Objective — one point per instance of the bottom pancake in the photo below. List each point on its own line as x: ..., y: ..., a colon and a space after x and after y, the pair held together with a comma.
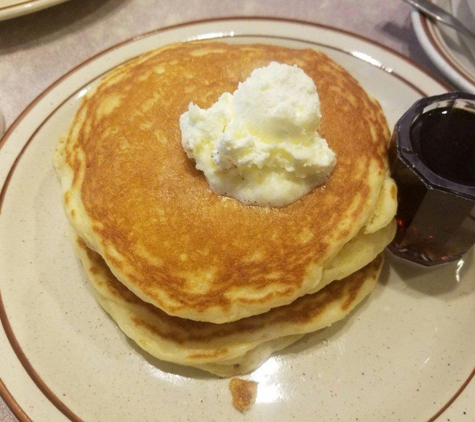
x: 223, y: 349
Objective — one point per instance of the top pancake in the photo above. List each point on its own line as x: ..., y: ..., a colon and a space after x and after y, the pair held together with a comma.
x: 134, y: 196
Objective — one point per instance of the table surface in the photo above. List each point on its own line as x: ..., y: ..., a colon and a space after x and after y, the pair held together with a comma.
x: 36, y: 49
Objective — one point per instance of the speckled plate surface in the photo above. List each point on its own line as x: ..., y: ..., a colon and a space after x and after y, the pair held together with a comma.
x: 405, y: 354
x: 451, y: 52
x: 13, y: 8
x: 2, y: 124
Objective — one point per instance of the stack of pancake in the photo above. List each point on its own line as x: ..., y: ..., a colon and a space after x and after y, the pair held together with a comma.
x: 200, y: 279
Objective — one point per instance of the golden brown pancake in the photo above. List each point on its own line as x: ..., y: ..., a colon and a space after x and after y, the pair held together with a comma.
x: 244, y: 393
x: 134, y: 196
x: 224, y: 349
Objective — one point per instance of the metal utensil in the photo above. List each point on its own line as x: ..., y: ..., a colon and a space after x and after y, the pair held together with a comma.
x: 432, y: 10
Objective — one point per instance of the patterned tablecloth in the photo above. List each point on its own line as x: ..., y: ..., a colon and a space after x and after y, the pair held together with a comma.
x: 38, y: 48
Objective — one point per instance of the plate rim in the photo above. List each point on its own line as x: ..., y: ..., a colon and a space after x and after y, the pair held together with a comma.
x: 152, y: 32
x: 25, y: 7
x: 431, y: 40
x: 8, y: 398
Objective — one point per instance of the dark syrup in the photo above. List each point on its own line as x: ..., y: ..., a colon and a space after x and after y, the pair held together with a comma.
x: 444, y: 139
x: 434, y: 227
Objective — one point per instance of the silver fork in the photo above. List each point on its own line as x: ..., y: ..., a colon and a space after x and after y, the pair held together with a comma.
x: 432, y: 10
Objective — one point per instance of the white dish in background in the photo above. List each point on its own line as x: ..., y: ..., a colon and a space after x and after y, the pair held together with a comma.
x: 405, y: 354
x: 464, y: 10
x: 13, y: 8
x: 451, y: 52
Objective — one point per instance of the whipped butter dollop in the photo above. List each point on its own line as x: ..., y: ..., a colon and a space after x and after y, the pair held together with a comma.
x: 261, y: 144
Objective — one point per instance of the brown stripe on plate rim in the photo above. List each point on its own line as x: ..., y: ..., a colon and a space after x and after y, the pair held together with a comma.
x: 454, y: 397
x: 22, y: 3
x: 33, y: 374
x: 435, y: 38
x: 9, y: 399
x: 12, y: 404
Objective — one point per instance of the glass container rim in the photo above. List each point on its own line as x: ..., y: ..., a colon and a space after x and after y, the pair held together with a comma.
x: 405, y: 150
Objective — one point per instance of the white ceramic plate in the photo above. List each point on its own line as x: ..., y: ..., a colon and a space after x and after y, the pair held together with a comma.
x: 452, y: 53
x: 13, y: 8
x: 2, y: 124
x: 405, y: 354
